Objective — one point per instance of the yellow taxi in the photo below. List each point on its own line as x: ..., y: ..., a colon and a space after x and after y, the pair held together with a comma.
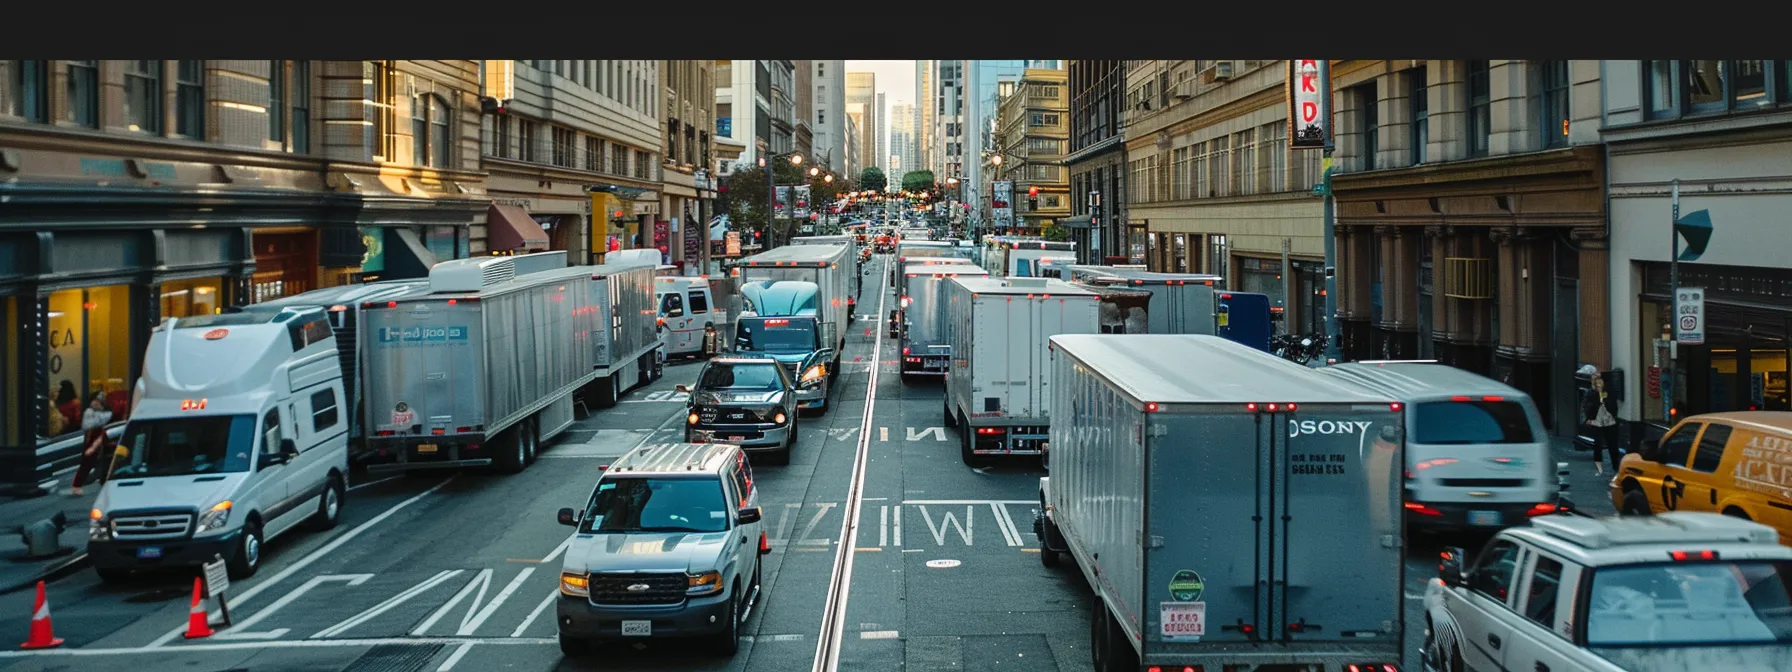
x: 1737, y: 464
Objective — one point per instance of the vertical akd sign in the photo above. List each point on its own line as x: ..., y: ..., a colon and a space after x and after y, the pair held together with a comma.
x: 1309, y: 106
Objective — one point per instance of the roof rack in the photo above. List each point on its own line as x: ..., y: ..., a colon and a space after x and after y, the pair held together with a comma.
x: 1670, y: 527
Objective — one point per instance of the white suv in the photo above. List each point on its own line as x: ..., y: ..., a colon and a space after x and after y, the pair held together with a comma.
x: 1677, y: 591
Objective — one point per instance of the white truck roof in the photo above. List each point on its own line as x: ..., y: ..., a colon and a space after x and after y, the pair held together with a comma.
x: 230, y: 356
x: 1416, y: 382
x: 1630, y: 539
x: 1202, y: 369
x: 1020, y: 286
x: 797, y: 254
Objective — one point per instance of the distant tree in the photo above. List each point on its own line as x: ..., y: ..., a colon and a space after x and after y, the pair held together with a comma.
x: 872, y: 179
x: 1054, y: 231
x: 917, y: 180
x: 747, y: 195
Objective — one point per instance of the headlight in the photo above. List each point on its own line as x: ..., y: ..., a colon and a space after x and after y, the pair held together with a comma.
x: 779, y: 418
x: 214, y: 519
x: 815, y: 372
x: 692, y: 418
x: 97, y: 527
x: 576, y: 585
x: 705, y: 583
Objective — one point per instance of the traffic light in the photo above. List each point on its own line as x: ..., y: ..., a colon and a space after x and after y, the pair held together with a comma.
x: 1033, y: 191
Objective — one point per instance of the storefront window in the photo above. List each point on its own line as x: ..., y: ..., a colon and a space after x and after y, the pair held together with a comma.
x: 89, y: 355
x: 188, y: 298
x: 1261, y: 276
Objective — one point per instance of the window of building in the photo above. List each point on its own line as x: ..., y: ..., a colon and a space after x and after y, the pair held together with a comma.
x: 29, y: 91
x: 1219, y: 161
x: 564, y: 140
x: 643, y: 165
x: 821, y: 117
x: 594, y: 154
x: 276, y: 102
x: 143, y: 96
x: 429, y: 131
x: 1554, y: 103
x: 1421, y: 113
x: 419, y: 131
x: 1705, y: 85
x: 90, y: 355
x: 84, y: 93
x: 300, y: 115
x: 1480, y: 107
x: 1658, y: 87
x: 525, y: 140
x: 501, y: 136
x: 189, y: 98
x: 1270, y: 148
x: 821, y: 68
x: 1243, y: 162
x: 191, y: 298
x: 618, y: 159
x: 1201, y: 178
x: 1180, y: 173
x: 1368, y: 123
x: 1748, y: 82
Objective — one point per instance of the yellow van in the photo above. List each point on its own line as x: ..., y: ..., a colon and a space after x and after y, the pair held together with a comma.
x: 1738, y: 464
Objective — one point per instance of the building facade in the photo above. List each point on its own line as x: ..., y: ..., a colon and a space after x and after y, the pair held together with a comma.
x: 804, y: 116
x: 744, y: 106
x: 986, y: 83
x: 1471, y: 219
x: 1033, y: 136
x: 925, y: 84
x: 141, y: 190
x: 947, y: 125
x: 854, y: 163
x: 829, y: 122
x: 1212, y: 187
x: 783, y: 105
x: 688, y: 171
x: 1097, y: 159
x: 882, y: 133
x: 861, y: 100
x: 567, y: 129
x: 902, y: 140
x: 1723, y: 130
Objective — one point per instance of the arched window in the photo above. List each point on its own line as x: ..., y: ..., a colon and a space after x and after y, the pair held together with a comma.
x: 429, y: 131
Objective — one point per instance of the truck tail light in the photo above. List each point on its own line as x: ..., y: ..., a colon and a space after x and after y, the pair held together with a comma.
x: 1683, y: 556
x: 463, y: 430
x: 905, y: 351
x: 1423, y: 510
x: 1542, y: 508
x: 1151, y: 407
x: 986, y: 431
x: 384, y: 432
x: 1272, y: 408
x: 1395, y: 406
x: 1460, y: 398
x: 439, y: 431
x: 1291, y: 407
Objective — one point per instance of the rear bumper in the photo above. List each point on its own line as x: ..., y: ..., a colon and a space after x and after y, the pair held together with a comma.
x: 174, y: 552
x: 751, y: 437
x: 1008, y: 439
x: 696, y: 617
x: 925, y: 365
x: 436, y: 452
x: 1467, y: 515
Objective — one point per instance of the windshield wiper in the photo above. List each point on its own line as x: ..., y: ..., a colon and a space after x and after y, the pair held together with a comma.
x: 673, y: 528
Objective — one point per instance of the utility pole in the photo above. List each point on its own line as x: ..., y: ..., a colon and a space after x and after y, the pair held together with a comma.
x: 1287, y: 284
x: 1331, y: 229
x: 1673, y: 300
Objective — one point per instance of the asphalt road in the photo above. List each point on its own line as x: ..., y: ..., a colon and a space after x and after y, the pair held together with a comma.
x: 457, y: 571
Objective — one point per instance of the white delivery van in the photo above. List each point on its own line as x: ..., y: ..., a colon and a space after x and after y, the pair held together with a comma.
x: 241, y: 434
x: 687, y: 313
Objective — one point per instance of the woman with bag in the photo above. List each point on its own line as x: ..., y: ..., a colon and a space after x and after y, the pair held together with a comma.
x: 94, y: 451
x: 1599, y: 409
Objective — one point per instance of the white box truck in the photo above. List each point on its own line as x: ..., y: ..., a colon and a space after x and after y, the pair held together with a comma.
x: 1023, y: 258
x: 483, y: 368
x: 1232, y: 511
x: 830, y: 267
x: 925, y: 341
x: 999, y: 387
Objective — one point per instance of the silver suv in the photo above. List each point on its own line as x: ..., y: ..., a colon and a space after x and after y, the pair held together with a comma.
x: 669, y: 546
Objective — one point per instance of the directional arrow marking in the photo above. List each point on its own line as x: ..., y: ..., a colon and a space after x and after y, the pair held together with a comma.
x: 241, y: 630
x: 390, y: 604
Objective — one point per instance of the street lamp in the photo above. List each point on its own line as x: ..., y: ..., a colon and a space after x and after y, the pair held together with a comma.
x: 771, y: 190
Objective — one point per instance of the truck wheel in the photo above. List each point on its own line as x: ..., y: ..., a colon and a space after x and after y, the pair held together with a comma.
x: 1098, y: 634
x: 728, y: 642
x: 247, y: 558
x: 1047, y: 556
x: 951, y: 420
x: 602, y: 392
x: 514, y: 455
x: 329, y: 506
x: 532, y: 432
x: 1120, y: 656
x: 964, y: 445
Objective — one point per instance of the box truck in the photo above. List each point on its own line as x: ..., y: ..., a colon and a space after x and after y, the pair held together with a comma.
x: 1235, y: 511
x: 853, y: 261
x: 484, y: 367
x: 1191, y: 303
x: 998, y: 387
x: 830, y: 267
x: 923, y: 337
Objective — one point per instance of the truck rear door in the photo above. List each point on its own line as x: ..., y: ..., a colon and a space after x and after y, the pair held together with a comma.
x: 426, y: 367
x: 1209, y: 504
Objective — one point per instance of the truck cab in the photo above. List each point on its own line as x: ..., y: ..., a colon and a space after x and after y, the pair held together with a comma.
x: 240, y: 435
x: 687, y: 313
x: 780, y: 321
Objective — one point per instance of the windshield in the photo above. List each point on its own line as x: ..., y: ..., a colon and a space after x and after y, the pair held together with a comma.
x: 1461, y: 422
x: 1742, y: 602
x: 756, y: 377
x: 178, y: 447
x: 775, y: 334
x: 657, y: 505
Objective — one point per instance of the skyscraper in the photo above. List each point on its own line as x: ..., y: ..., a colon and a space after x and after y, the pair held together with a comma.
x: 882, y: 132
x: 923, y: 121
x: 861, y: 90
x: 902, y: 141
x: 829, y: 123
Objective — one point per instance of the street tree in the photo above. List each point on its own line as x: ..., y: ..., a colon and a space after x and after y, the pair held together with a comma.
x: 872, y: 179
x: 917, y: 180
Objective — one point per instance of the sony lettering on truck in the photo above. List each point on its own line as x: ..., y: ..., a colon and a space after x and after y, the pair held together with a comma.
x: 999, y: 384
x: 1232, y: 509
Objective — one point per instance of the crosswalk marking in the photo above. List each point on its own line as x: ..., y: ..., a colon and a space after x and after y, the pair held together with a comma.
x: 390, y: 604
x: 241, y: 630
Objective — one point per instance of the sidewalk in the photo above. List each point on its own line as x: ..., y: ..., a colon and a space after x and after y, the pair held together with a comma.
x: 18, y: 573
x: 1590, y: 493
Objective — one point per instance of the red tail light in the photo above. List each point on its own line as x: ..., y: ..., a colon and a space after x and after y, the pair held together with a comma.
x: 1460, y: 398
x: 1395, y: 407
x: 391, y: 304
x: 439, y: 431
x: 989, y: 430
x: 1291, y: 407
x: 1422, y: 510
x: 384, y: 432
x: 1272, y: 408
x: 905, y: 351
x: 1493, y: 399
x: 1683, y: 556
x: 1151, y: 407
x: 463, y: 430
x: 1252, y: 407
x: 1543, y: 508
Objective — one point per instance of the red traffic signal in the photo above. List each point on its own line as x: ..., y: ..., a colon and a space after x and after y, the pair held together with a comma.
x: 1033, y: 191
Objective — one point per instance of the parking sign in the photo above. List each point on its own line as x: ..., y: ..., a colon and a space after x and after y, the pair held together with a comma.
x: 1689, y: 315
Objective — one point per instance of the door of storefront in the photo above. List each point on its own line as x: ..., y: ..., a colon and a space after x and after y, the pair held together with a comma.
x: 285, y: 264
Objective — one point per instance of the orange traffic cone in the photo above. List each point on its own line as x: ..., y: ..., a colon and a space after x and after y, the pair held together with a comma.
x: 42, y: 635
x: 197, y: 623
x: 765, y: 544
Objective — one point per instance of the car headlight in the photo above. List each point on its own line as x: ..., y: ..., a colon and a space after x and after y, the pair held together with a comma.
x: 98, y: 529
x: 692, y: 418
x: 576, y: 585
x: 815, y: 372
x: 779, y: 418
x: 705, y: 584
x: 215, y: 518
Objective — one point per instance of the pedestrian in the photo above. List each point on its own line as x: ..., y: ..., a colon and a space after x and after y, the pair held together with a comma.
x: 1600, y: 410
x: 93, y: 447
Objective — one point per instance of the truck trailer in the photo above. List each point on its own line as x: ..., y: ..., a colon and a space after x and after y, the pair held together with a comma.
x: 1192, y: 303
x: 998, y: 387
x: 1234, y: 512
x: 484, y: 367
x: 923, y: 337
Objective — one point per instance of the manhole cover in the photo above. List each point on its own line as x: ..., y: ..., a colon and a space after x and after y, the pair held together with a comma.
x: 942, y: 564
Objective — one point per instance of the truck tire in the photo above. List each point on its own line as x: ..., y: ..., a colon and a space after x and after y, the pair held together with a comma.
x: 532, y: 433
x: 1119, y: 654
x: 951, y: 420
x: 329, y: 505
x: 512, y: 452
x: 602, y: 392
x: 965, y: 440
x: 1098, y: 634
x: 247, y: 558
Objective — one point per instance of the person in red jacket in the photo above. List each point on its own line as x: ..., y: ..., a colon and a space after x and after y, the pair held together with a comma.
x: 94, y: 449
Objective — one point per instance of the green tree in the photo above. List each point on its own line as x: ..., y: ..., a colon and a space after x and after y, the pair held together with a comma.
x: 917, y: 180
x: 872, y: 179
x: 747, y: 194
x: 1054, y: 231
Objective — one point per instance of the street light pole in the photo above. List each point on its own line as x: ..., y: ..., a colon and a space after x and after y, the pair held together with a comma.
x: 771, y: 191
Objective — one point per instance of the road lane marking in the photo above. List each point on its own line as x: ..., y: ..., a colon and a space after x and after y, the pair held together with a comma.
x: 1003, y: 522
x: 353, y: 488
x: 1029, y: 550
x: 280, y: 644
x: 306, y: 561
x: 896, y: 518
x: 241, y: 630
x: 879, y: 634
x: 883, y: 526
x: 806, y: 539
x: 536, y: 613
x: 477, y: 613
x: 970, y: 502
x: 455, y: 658
x: 939, y: 433
x: 947, y: 523
x: 874, y: 499
x: 559, y: 549
x: 390, y: 604
x: 883, y: 433
x: 867, y: 549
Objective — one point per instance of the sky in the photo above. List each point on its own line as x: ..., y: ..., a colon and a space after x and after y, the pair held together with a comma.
x: 895, y: 79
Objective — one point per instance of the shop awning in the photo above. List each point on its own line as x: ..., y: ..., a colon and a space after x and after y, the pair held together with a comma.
x: 509, y: 228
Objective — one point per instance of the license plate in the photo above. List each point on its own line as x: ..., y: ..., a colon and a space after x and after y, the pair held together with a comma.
x: 149, y: 552
x: 1483, y: 518
x: 637, y: 628
x: 426, y: 448
x: 737, y: 438
x: 937, y: 364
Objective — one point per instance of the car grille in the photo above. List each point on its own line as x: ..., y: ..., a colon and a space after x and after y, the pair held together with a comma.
x: 1484, y: 482
x: 152, y: 526
x: 659, y: 588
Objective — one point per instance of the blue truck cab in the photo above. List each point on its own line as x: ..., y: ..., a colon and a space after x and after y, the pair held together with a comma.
x: 780, y: 319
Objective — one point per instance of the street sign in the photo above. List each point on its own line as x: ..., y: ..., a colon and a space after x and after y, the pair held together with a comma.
x: 1319, y: 189
x: 1689, y: 316
x: 217, y: 580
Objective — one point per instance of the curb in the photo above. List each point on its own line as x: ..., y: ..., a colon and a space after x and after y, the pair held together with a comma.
x: 56, y: 571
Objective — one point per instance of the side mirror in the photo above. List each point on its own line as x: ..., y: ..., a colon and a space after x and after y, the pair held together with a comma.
x: 683, y: 389
x: 288, y: 449
x: 1449, y: 567
x: 569, y: 518
x: 747, y: 515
